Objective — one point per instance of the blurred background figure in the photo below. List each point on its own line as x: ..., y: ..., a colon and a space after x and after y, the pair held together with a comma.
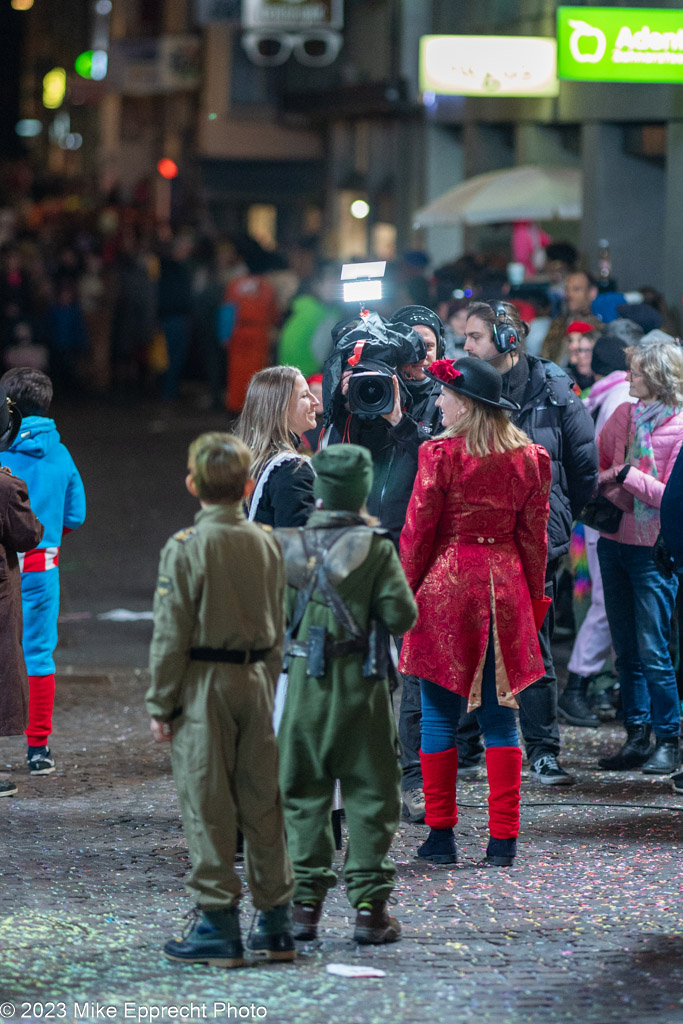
x: 256, y: 314
x: 305, y: 338
x: 175, y: 306
x: 582, y: 338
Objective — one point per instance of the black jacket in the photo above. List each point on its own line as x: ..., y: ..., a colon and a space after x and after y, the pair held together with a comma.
x: 554, y: 416
x: 394, y: 461
x: 672, y: 520
x: 287, y: 498
x: 424, y: 410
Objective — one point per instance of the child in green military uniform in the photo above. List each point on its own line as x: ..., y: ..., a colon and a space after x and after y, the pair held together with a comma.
x: 346, y: 593
x: 215, y: 656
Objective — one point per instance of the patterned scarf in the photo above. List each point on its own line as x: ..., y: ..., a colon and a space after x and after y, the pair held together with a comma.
x: 646, y: 419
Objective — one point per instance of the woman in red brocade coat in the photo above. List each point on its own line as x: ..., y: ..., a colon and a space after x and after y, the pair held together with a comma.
x: 474, y: 550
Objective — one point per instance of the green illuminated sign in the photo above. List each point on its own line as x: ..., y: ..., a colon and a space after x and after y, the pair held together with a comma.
x: 620, y: 44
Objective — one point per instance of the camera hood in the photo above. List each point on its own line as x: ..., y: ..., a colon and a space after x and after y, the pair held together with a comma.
x: 369, y: 339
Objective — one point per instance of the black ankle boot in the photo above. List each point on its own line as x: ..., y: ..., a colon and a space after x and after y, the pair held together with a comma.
x: 500, y: 852
x: 634, y: 753
x: 272, y: 936
x: 666, y: 757
x: 213, y: 938
x: 439, y: 847
x: 572, y: 707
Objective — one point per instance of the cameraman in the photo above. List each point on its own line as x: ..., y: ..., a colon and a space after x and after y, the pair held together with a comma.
x: 421, y: 388
x: 389, y: 350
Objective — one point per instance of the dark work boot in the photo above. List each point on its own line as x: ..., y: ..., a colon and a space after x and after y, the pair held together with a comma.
x: 213, y: 939
x: 634, y: 752
x: 572, y: 707
x: 374, y: 927
x: 439, y: 847
x: 666, y: 757
x: 272, y: 936
x: 306, y: 917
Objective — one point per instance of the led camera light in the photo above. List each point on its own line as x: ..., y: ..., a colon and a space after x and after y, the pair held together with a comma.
x: 362, y: 282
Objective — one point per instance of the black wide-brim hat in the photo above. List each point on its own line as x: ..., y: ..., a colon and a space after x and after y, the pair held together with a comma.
x: 10, y: 421
x: 474, y: 378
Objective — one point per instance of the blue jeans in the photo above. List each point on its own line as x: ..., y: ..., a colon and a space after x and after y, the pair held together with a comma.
x: 537, y: 703
x: 441, y: 710
x: 639, y: 604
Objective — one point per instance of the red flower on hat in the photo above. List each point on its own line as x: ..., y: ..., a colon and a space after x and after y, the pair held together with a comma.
x: 444, y: 370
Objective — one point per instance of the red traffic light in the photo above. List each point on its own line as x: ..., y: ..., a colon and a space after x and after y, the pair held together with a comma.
x: 167, y: 168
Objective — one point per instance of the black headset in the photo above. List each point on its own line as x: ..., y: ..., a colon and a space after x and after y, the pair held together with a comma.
x: 505, y: 335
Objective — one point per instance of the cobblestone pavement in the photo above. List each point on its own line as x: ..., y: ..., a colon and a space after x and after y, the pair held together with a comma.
x: 586, y: 927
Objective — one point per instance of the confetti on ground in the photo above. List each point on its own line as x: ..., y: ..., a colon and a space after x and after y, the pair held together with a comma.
x: 585, y: 928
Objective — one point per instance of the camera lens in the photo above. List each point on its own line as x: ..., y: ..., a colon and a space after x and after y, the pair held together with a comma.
x: 371, y: 393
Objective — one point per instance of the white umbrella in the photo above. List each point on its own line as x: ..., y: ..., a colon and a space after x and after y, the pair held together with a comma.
x: 517, y: 193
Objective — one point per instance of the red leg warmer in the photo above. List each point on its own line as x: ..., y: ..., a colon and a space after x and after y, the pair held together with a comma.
x: 504, y: 768
x: 41, y: 699
x: 439, y: 775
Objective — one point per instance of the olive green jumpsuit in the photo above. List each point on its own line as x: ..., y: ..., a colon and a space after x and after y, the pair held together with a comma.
x: 341, y: 726
x: 221, y: 585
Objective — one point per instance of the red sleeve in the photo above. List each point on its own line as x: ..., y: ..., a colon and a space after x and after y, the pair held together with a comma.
x: 531, y: 530
x: 424, y: 510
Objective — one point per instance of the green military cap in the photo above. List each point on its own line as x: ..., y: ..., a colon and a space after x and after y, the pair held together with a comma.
x: 343, y: 476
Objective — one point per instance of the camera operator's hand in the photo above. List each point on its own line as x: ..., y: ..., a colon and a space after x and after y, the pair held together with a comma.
x: 345, y: 378
x: 394, y: 417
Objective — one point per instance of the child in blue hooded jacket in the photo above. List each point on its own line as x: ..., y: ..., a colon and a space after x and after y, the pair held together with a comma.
x: 58, y: 499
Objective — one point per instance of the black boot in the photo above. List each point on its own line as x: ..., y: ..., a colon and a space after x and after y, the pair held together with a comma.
x: 500, y: 852
x: 572, y: 707
x: 634, y: 752
x: 439, y: 847
x: 272, y: 936
x: 213, y: 939
x: 666, y: 757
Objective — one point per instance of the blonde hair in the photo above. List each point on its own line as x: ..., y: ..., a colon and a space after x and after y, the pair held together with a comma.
x: 219, y: 465
x: 486, y: 429
x: 263, y: 422
x: 661, y: 364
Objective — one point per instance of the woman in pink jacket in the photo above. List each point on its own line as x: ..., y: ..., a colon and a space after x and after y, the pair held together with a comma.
x: 638, y: 448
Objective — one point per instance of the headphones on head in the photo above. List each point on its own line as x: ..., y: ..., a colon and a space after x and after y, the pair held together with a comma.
x: 505, y: 335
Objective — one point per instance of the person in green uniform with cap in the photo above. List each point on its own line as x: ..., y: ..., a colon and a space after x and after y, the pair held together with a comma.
x: 215, y: 656
x: 346, y: 594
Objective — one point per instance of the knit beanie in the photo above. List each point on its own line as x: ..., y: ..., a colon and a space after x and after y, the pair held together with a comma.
x: 608, y: 355
x: 343, y: 476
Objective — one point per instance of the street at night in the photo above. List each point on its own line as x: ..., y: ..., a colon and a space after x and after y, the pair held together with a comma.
x: 587, y: 925
x: 341, y: 511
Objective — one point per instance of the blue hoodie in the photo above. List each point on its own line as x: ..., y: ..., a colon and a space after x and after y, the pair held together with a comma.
x: 55, y: 488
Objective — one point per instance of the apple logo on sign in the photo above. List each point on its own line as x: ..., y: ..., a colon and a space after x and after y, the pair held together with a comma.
x: 582, y: 30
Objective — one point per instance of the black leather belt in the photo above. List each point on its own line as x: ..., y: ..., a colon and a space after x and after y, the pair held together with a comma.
x: 231, y: 657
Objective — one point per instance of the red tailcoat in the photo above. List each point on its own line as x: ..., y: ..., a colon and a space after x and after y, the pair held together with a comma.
x: 474, y: 550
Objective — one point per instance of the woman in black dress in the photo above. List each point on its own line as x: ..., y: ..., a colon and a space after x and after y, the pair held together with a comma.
x: 278, y: 408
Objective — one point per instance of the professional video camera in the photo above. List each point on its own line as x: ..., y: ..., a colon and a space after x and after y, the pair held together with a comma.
x: 370, y: 346
x: 373, y: 349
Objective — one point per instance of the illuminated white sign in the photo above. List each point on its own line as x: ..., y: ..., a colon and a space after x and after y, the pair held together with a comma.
x: 488, y: 66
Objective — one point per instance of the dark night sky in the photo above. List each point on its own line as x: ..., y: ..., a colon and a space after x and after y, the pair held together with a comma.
x: 11, y: 32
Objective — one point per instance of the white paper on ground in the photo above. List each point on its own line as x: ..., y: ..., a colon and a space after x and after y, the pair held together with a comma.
x: 355, y: 971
